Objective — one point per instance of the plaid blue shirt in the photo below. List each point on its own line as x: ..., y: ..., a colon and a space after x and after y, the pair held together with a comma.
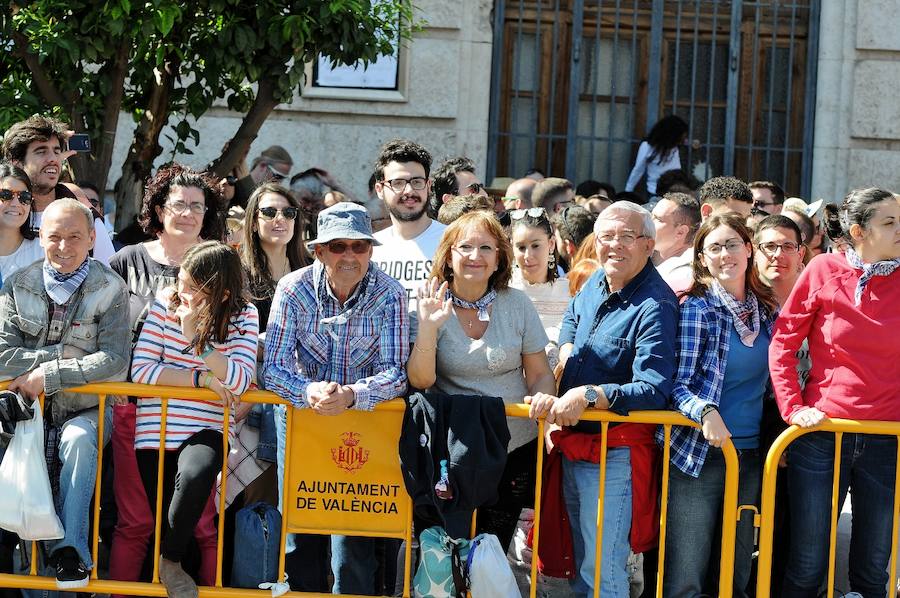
x: 704, y: 327
x: 363, y: 344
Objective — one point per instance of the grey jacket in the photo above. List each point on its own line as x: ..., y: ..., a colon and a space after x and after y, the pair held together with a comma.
x: 96, y: 327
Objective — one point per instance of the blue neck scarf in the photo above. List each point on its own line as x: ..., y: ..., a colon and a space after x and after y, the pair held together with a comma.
x: 60, y: 287
x: 481, y: 305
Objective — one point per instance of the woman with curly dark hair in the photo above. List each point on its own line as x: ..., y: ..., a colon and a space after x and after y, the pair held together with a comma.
x: 658, y: 152
x: 180, y: 209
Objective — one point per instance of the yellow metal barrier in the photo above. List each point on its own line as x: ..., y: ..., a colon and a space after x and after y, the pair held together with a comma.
x: 667, y: 419
x: 770, y: 473
x: 731, y: 512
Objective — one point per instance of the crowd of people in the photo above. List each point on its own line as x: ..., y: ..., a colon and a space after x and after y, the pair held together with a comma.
x: 742, y: 310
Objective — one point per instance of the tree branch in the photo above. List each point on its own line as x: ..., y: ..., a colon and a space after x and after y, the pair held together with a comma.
x: 262, y: 107
x: 42, y: 81
x: 112, y: 106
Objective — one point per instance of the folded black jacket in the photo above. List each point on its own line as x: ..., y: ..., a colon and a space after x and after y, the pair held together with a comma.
x: 470, y: 432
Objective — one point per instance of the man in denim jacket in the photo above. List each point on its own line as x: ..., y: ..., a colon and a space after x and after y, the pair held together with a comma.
x: 64, y: 323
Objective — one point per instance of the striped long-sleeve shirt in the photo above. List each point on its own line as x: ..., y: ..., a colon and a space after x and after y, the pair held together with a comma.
x: 161, y: 345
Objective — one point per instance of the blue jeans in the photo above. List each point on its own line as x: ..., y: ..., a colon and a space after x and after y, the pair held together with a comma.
x: 868, y: 467
x: 694, y: 525
x: 581, y: 486
x: 78, y: 455
x: 353, y: 565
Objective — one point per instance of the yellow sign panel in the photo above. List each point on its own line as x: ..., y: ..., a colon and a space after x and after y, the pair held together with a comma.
x: 345, y: 474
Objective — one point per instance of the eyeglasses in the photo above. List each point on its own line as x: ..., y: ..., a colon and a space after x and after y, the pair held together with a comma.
x: 275, y: 174
x: 627, y: 240
x: 179, y: 207
x: 399, y: 185
x: 787, y: 248
x: 269, y: 213
x: 25, y: 198
x: 467, y: 250
x: 340, y: 247
x: 230, y: 180
x: 732, y: 246
x: 532, y: 212
x: 763, y: 204
x: 474, y: 188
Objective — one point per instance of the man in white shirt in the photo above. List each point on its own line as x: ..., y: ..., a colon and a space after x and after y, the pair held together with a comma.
x: 38, y: 145
x: 677, y: 217
x: 407, y: 247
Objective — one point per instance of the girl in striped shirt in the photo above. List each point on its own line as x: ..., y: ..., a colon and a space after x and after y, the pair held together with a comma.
x: 201, y: 334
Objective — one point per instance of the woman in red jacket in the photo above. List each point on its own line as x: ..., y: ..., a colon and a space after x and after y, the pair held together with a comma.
x: 846, y: 305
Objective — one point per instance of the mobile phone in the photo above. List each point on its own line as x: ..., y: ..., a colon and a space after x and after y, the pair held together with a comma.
x: 80, y: 142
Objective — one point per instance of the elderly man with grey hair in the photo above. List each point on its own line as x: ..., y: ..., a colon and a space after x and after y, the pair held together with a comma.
x: 617, y: 342
x: 338, y: 339
x: 64, y: 323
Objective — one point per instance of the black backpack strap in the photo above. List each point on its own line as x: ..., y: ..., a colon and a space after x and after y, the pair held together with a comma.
x: 459, y: 574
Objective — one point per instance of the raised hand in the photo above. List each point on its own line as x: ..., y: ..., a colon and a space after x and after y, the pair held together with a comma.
x: 433, y: 306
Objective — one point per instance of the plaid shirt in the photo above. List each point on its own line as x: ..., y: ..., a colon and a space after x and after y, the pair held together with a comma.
x: 311, y: 337
x: 51, y: 433
x: 703, y: 337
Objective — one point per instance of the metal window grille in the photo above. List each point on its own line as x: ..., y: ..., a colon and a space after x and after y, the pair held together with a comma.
x: 576, y: 85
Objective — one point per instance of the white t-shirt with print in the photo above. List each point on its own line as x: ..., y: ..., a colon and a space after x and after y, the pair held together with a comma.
x: 408, y: 260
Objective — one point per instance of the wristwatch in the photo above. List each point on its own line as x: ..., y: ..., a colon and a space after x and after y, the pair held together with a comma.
x: 707, y: 410
x: 591, y: 395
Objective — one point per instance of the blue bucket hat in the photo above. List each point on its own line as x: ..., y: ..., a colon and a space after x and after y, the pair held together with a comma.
x: 344, y: 220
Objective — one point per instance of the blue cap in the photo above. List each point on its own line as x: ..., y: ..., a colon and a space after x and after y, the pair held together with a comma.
x: 344, y: 220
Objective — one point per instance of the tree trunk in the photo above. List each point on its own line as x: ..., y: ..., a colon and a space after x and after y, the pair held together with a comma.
x: 144, y: 148
x: 98, y: 171
x: 262, y: 107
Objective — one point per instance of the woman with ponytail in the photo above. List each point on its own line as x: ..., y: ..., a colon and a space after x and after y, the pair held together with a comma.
x: 846, y: 305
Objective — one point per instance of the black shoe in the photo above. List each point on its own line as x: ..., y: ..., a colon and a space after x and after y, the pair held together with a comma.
x: 70, y: 571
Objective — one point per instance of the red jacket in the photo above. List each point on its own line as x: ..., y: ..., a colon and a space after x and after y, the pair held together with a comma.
x: 854, y: 349
x: 555, y: 550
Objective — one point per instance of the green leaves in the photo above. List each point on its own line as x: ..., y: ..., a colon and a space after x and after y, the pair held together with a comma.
x: 214, y: 49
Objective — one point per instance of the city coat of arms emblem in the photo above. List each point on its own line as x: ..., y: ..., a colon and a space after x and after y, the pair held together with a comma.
x: 349, y: 456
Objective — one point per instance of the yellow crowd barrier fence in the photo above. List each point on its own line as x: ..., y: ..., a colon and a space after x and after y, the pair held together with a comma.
x: 770, y: 474
x: 391, y: 514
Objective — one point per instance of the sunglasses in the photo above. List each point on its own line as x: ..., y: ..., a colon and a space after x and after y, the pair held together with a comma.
x: 231, y: 179
x: 340, y: 247
x: 25, y: 198
x: 275, y: 174
x: 532, y: 212
x: 269, y: 213
x: 474, y: 188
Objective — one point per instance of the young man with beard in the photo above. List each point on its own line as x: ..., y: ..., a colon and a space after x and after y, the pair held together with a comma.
x: 37, y: 146
x: 407, y: 247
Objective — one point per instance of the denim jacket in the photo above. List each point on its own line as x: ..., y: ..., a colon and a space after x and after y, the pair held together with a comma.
x: 96, y: 324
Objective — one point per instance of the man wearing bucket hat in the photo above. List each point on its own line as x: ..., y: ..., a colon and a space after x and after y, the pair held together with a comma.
x: 338, y: 339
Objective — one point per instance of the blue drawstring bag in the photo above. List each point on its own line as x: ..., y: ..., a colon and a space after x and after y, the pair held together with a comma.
x: 257, y: 531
